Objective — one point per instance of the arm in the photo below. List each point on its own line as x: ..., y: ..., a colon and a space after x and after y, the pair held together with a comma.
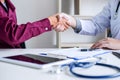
x: 98, y: 24
x: 108, y: 43
x: 94, y: 26
x: 12, y: 33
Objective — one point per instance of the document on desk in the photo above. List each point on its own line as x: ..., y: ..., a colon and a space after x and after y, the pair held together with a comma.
x: 78, y: 54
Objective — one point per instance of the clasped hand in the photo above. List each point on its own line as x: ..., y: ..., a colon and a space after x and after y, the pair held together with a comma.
x: 61, y: 22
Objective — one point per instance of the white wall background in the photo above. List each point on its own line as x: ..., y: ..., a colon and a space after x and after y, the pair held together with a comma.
x: 32, y: 10
x: 91, y: 7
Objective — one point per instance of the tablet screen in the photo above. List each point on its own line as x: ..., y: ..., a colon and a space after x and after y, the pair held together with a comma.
x: 32, y: 58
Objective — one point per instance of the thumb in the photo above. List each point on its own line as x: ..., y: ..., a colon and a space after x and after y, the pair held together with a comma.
x: 70, y: 20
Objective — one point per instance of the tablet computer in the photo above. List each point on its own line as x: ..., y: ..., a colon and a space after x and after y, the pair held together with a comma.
x: 34, y: 60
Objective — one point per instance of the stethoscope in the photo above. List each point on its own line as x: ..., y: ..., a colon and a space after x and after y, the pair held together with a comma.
x: 88, y: 64
x: 81, y: 65
x: 85, y: 65
x: 116, y: 11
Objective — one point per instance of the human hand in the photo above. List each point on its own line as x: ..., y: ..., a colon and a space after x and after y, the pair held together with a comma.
x: 65, y: 21
x: 108, y: 43
x: 70, y: 20
x: 62, y: 21
x: 58, y: 24
x: 53, y: 20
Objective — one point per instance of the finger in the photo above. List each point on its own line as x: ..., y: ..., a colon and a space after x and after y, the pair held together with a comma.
x: 65, y: 16
x: 62, y: 26
x: 59, y: 28
x: 58, y: 17
x: 94, y: 46
x: 104, y: 46
x: 98, y: 44
x: 65, y: 26
x: 64, y: 22
x: 54, y: 26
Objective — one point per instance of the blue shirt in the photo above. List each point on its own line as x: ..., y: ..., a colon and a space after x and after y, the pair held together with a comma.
x: 105, y: 19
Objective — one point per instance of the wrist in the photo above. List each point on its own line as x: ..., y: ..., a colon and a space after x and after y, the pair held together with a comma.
x: 72, y: 22
x: 53, y: 20
x: 78, y: 27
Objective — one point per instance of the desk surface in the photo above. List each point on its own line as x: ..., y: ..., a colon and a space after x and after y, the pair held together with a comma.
x: 16, y: 72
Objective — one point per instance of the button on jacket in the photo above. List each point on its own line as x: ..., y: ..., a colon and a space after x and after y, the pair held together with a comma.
x: 105, y: 19
x: 12, y: 34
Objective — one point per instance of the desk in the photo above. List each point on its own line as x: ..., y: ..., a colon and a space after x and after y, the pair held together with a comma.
x: 16, y: 72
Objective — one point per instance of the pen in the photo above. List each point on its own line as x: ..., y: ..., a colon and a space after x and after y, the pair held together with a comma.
x: 54, y: 55
x: 88, y: 49
x: 43, y: 54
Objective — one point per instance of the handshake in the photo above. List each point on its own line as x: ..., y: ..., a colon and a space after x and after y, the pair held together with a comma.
x: 61, y: 22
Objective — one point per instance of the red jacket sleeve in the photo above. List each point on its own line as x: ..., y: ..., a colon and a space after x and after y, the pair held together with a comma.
x: 13, y: 33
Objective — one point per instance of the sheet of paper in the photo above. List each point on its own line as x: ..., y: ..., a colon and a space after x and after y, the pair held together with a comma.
x: 77, y: 53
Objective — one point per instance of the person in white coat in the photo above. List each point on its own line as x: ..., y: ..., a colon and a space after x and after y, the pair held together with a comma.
x: 108, y: 18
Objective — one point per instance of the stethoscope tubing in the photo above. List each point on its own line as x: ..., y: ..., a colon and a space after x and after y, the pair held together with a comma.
x: 102, y: 76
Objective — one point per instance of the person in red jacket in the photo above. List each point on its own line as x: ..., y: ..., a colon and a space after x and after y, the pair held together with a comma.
x: 13, y: 35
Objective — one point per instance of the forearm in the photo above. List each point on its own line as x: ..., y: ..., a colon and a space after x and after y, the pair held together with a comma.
x: 13, y: 33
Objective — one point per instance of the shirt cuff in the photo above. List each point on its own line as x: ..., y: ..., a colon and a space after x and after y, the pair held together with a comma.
x: 78, y: 26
